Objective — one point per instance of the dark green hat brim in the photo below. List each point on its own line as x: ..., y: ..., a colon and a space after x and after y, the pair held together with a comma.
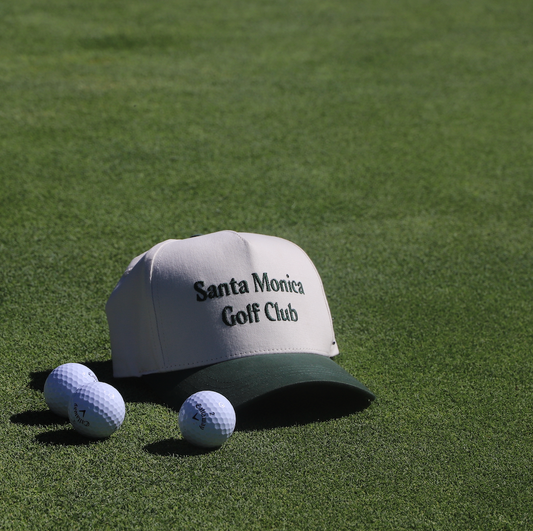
x: 245, y: 380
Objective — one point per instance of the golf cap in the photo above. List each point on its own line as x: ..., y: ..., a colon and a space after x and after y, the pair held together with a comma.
x: 238, y: 313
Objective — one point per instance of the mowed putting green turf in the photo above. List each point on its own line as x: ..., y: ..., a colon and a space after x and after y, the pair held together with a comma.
x: 391, y: 139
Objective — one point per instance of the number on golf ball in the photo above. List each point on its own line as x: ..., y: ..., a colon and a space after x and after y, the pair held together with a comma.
x: 96, y: 410
x: 207, y: 419
x: 62, y: 382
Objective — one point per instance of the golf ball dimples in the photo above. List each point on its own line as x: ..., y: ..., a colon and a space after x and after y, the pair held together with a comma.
x: 62, y: 382
x: 96, y: 410
x: 207, y: 419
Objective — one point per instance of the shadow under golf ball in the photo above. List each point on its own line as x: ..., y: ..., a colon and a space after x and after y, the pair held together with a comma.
x: 38, y: 418
x: 65, y: 437
x: 174, y: 447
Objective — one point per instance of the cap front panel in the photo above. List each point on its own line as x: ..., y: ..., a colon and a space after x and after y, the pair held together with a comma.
x: 228, y: 295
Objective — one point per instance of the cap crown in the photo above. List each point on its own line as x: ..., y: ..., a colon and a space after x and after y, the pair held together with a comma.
x: 208, y: 299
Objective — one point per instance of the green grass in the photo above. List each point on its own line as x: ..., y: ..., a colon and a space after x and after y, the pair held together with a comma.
x: 391, y: 139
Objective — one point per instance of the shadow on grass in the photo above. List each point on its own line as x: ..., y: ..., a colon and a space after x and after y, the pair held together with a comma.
x: 173, y: 447
x: 38, y: 418
x: 60, y: 437
x: 65, y: 437
x: 300, y: 405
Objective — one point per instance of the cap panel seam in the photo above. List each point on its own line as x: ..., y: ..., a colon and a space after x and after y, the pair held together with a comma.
x: 157, y: 333
x: 333, y: 339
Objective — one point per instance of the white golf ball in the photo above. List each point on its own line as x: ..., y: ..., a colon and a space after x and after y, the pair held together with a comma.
x: 207, y: 419
x: 96, y: 410
x: 62, y: 382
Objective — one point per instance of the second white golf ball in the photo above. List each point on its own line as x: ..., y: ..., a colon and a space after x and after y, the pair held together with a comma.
x: 96, y: 410
x: 207, y: 419
x: 62, y: 382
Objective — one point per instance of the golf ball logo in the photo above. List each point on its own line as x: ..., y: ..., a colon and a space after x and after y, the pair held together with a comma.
x: 202, y: 416
x: 77, y: 416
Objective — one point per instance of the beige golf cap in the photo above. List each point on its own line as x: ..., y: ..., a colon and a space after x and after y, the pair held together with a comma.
x: 238, y: 313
